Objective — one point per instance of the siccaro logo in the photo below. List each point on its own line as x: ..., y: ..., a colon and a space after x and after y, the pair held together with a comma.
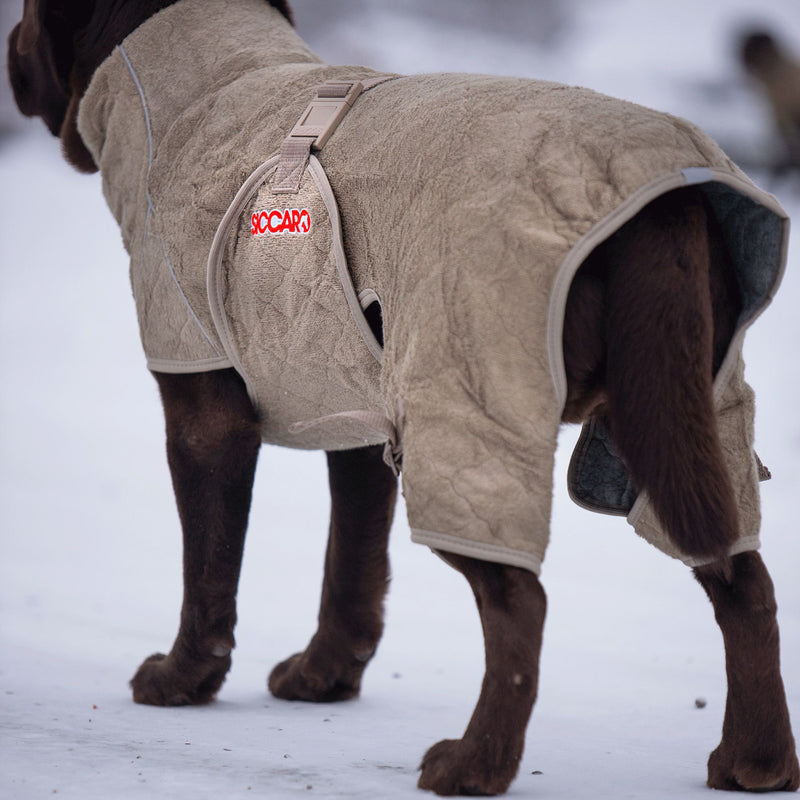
x: 280, y: 220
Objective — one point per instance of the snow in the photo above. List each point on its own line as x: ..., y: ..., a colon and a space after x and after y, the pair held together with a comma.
x: 90, y: 546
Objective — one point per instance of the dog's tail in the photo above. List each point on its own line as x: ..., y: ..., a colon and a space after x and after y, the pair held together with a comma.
x: 670, y: 316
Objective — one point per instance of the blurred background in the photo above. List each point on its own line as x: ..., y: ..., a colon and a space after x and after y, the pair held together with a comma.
x: 682, y: 56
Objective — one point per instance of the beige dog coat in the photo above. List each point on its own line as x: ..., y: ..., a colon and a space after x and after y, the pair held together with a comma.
x: 464, y: 204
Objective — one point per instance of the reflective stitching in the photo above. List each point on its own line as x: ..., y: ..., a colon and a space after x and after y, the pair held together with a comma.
x: 151, y: 208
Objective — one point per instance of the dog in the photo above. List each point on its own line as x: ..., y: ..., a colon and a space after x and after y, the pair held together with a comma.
x: 647, y: 333
x: 778, y: 76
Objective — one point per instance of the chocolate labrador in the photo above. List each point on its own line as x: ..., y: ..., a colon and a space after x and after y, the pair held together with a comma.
x: 648, y: 322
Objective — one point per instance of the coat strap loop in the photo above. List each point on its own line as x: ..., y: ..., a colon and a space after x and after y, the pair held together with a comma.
x: 315, y: 126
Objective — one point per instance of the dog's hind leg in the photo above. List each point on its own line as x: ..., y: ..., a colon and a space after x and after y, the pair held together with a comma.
x: 213, y: 437
x: 512, y: 606
x: 757, y: 752
x: 363, y: 491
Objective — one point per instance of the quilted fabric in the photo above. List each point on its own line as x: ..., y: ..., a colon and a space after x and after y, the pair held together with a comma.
x: 285, y: 321
x: 467, y: 204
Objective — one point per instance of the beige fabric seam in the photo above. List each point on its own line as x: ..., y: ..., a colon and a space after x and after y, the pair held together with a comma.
x: 356, y: 311
x: 483, y: 552
x: 743, y: 545
x: 214, y: 277
x: 187, y: 367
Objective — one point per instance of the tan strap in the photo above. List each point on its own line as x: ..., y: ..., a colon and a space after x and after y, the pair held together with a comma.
x: 315, y: 126
x: 292, y: 163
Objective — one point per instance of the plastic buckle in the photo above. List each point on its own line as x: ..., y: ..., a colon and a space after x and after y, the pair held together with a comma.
x: 324, y: 113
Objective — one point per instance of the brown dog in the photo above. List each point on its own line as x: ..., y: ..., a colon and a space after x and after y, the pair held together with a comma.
x: 648, y: 321
x: 779, y: 77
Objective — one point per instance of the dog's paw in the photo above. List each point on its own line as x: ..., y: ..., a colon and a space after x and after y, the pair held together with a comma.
x: 158, y: 682
x: 770, y: 774
x: 455, y: 766
x: 316, y: 679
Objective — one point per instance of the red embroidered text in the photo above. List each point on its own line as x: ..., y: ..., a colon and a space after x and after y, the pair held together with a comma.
x: 280, y: 220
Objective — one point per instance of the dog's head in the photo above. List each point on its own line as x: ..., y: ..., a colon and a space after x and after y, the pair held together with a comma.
x: 54, y: 51
x: 760, y: 52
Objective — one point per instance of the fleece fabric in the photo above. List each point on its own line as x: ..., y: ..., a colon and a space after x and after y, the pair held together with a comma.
x: 465, y: 204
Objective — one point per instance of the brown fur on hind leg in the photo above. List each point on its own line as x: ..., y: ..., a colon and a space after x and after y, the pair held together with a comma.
x: 363, y: 491
x: 213, y: 437
x: 757, y: 751
x: 512, y: 606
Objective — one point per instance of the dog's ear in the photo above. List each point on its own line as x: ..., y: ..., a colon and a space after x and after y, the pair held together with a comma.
x: 39, y: 89
x: 41, y: 68
x: 30, y: 27
x: 283, y: 7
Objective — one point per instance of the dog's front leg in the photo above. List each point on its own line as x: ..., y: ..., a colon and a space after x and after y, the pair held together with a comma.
x: 363, y: 491
x: 512, y: 608
x: 757, y: 752
x: 213, y: 438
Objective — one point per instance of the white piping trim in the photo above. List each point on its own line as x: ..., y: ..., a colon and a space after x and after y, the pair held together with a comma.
x: 145, y: 109
x: 214, y: 277
x: 356, y: 311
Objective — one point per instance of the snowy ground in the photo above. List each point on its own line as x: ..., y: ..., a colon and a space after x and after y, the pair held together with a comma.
x: 89, y: 543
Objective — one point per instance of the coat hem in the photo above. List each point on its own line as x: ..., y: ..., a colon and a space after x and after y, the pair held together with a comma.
x: 744, y: 545
x: 174, y: 367
x: 483, y: 552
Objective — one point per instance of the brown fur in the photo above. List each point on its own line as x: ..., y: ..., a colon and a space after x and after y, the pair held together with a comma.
x: 363, y: 491
x: 657, y: 293
x: 213, y: 438
x: 757, y: 751
x: 512, y: 606
x: 660, y: 312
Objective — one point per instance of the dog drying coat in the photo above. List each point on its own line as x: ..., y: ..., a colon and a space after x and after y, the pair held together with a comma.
x: 465, y: 204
